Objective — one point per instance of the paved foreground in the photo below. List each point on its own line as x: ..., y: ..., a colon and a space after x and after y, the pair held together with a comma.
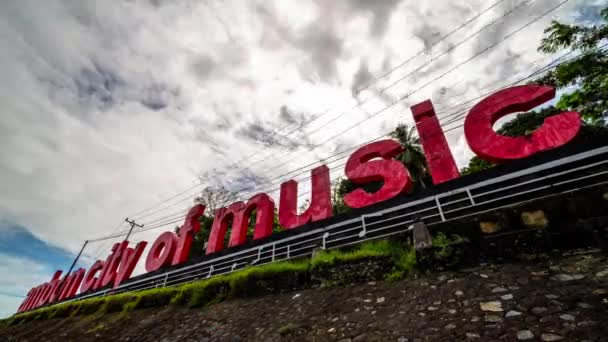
x: 563, y: 299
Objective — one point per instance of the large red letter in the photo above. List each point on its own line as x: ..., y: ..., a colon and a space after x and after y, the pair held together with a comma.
x: 90, y: 278
x: 27, y: 297
x: 186, y: 233
x: 320, y: 202
x: 110, y: 267
x: 361, y: 169
x: 161, y: 252
x: 263, y: 223
x: 436, y: 150
x: 220, y: 226
x: 28, y: 300
x: 50, y: 289
x: 71, y: 283
x: 555, y: 131
x: 240, y: 214
x: 128, y: 261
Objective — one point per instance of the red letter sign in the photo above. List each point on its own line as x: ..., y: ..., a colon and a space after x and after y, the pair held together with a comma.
x: 555, y: 131
x: 161, y: 252
x: 186, y: 233
x: 240, y: 213
x: 128, y: 261
x: 320, y: 203
x: 71, y: 283
x: 361, y: 169
x: 90, y: 278
x: 438, y: 156
x: 108, y: 273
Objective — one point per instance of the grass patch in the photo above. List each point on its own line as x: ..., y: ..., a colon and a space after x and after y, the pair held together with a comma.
x: 97, y: 328
x: 117, y: 302
x: 288, y: 329
x: 207, y: 292
x: 446, y: 252
x: 88, y: 306
x: 403, y: 257
x: 366, y: 250
x: 269, y: 278
x: 252, y: 281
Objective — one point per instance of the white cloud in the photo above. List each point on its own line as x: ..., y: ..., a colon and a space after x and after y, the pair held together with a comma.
x: 18, y: 276
x: 104, y: 114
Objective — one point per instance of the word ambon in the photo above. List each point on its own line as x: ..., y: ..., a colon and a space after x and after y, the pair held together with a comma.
x: 370, y: 163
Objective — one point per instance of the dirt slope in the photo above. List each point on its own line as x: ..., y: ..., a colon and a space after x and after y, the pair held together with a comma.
x: 561, y: 299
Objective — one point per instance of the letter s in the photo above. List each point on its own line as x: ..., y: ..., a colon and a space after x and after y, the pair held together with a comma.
x: 361, y: 169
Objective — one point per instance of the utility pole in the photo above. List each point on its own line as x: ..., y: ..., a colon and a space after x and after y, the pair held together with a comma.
x: 133, y: 224
x: 72, y: 267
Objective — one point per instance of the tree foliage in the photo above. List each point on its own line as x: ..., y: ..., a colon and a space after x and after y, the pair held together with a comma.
x: 587, y: 72
x: 412, y: 157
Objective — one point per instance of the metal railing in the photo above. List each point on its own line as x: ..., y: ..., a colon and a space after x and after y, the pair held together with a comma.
x: 572, y: 173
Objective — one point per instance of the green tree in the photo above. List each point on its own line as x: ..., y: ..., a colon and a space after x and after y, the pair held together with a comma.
x: 587, y: 72
x: 412, y: 157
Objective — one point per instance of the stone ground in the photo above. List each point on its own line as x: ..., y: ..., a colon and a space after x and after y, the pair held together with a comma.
x: 564, y: 299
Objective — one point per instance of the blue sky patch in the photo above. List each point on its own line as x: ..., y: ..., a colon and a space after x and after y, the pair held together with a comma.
x: 17, y: 241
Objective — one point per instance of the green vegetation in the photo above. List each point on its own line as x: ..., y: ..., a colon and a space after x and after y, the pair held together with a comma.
x: 252, y: 281
x: 446, y: 252
x: 586, y: 72
x: 288, y: 329
x: 402, y: 260
x: 97, y: 328
x: 367, y: 250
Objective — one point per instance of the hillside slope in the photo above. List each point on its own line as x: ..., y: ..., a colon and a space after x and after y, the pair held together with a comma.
x: 553, y: 299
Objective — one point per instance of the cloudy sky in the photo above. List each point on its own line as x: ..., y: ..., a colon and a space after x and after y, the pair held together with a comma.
x: 111, y: 107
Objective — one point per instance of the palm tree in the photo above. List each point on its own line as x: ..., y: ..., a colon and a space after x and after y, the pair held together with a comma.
x: 413, y: 156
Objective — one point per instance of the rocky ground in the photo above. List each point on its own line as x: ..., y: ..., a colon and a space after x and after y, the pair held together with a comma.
x: 563, y: 299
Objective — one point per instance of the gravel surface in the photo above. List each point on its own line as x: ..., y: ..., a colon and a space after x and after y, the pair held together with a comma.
x: 563, y: 299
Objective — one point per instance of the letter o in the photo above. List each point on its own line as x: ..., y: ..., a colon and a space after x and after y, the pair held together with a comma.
x: 161, y: 252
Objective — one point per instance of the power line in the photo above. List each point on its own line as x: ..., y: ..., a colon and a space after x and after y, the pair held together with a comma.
x: 447, y: 72
x: 161, y: 221
x: 431, y: 81
x: 367, y: 86
x: 326, y: 162
x: 417, y: 69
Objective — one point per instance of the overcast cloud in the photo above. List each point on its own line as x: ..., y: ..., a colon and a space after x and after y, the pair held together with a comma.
x: 109, y: 107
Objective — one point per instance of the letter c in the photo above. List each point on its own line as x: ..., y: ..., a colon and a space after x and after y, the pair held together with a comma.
x: 556, y: 131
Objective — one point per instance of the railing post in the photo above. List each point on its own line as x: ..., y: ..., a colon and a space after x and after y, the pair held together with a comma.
x: 470, y: 197
x: 439, y: 208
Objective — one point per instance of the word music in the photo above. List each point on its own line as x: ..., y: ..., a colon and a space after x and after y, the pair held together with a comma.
x: 371, y: 163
